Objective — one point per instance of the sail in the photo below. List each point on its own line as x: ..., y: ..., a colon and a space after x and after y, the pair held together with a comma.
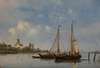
x: 56, y: 44
x: 73, y: 42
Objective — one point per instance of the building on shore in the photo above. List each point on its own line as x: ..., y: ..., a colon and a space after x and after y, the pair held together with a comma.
x: 18, y: 44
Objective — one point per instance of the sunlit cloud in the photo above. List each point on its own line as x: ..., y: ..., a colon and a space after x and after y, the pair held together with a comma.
x: 12, y: 31
x: 34, y: 31
x: 29, y: 30
x: 23, y: 26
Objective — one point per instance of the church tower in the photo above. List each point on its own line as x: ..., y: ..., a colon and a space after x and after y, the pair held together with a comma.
x: 18, y: 44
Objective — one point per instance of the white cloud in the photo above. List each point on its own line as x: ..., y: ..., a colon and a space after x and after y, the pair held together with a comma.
x: 29, y: 29
x: 12, y: 31
x: 33, y: 31
x: 22, y: 26
x: 36, y: 30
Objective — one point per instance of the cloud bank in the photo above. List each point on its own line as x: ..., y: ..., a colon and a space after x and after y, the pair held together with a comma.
x: 37, y: 20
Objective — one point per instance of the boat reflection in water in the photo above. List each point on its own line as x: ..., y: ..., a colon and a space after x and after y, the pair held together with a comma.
x: 74, y: 65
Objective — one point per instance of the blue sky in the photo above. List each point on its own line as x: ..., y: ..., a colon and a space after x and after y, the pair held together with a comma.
x: 36, y: 21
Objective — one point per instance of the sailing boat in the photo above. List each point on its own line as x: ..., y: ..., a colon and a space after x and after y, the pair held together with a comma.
x: 53, y: 51
x: 74, y: 53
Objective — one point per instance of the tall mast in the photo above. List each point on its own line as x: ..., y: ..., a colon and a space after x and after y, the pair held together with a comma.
x: 71, y: 42
x: 58, y: 39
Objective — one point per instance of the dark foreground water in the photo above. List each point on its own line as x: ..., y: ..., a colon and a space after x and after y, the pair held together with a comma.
x: 26, y: 61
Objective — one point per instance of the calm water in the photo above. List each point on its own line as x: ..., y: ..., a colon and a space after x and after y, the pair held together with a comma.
x: 26, y: 61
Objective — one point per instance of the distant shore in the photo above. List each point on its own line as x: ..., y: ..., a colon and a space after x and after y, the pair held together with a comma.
x: 9, y: 49
x: 18, y: 51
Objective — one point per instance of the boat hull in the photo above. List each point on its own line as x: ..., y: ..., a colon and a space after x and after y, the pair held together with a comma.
x: 47, y: 56
x: 68, y: 57
x: 35, y: 56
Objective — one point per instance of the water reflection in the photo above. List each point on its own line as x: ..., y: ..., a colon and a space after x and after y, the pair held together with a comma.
x: 74, y: 65
x: 26, y: 61
x: 67, y: 61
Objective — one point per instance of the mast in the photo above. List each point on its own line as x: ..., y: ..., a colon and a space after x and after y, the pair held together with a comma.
x: 72, y: 39
x: 74, y: 48
x: 56, y: 42
x: 58, y: 39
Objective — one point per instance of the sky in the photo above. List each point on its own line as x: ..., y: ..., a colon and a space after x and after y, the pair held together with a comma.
x: 36, y: 21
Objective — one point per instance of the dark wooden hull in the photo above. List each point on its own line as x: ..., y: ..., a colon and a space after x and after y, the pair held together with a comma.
x: 61, y: 56
x: 47, y: 56
x: 68, y: 57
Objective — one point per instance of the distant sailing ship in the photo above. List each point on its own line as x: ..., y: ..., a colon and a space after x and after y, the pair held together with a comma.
x: 55, y: 53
